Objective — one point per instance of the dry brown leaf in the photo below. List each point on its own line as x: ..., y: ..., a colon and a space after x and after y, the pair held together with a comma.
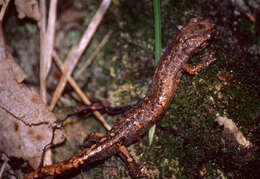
x: 25, y: 121
x: 28, y: 8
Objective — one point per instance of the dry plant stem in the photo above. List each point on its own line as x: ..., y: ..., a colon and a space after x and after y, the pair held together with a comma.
x: 4, y: 165
x: 2, y: 37
x: 2, y: 42
x: 79, y: 91
x: 94, y: 54
x: 2, y: 13
x: 47, y: 42
x: 43, y: 17
x: 42, y: 25
x: 76, y: 52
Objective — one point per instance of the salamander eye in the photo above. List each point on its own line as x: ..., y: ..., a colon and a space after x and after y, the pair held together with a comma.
x: 194, y: 20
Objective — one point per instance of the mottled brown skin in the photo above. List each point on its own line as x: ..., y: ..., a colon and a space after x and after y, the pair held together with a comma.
x: 135, y: 122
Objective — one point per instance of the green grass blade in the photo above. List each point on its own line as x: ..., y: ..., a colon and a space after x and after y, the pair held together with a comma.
x: 158, y: 48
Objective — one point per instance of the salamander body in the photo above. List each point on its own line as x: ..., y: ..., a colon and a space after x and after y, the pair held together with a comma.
x: 134, y: 123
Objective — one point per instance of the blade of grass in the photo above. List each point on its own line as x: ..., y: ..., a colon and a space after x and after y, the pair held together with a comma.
x: 158, y: 48
x: 157, y: 28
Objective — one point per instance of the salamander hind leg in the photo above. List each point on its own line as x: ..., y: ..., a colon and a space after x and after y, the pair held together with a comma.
x: 207, y: 59
x: 135, y: 170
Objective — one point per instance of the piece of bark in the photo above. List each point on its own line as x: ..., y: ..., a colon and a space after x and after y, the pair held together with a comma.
x: 25, y: 121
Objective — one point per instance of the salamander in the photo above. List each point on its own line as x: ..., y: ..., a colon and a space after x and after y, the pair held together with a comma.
x: 135, y: 122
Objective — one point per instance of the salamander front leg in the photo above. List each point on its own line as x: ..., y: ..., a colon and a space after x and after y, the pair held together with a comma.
x: 207, y: 59
x: 135, y: 170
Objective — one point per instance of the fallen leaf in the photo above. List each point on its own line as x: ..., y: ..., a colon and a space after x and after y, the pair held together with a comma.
x: 25, y: 121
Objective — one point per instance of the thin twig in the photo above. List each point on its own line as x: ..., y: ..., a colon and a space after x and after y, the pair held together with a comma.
x: 76, y: 52
x: 79, y: 91
x: 94, y: 54
x: 47, y: 42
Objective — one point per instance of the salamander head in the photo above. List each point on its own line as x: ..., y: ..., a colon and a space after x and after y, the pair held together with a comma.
x: 195, y: 34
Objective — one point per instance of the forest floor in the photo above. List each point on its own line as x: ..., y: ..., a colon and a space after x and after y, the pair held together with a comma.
x: 123, y: 69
